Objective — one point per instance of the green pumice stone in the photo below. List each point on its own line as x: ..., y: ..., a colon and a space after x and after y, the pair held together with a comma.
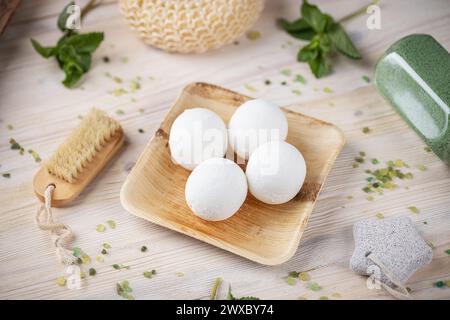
x: 414, y: 76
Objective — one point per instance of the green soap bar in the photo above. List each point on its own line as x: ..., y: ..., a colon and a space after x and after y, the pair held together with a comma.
x: 414, y: 76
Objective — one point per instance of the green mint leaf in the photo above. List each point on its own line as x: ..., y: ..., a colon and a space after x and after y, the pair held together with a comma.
x: 73, y: 73
x: 297, y: 25
x: 46, y: 52
x: 342, y: 41
x: 249, y: 298
x: 84, y: 43
x: 298, y: 29
x: 314, y: 17
x: 320, y: 66
x: 306, y: 54
x: 62, y: 18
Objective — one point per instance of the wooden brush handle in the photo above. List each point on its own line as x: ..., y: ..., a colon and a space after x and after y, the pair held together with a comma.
x: 66, y: 192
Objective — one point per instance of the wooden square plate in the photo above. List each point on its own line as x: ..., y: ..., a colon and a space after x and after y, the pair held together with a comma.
x: 268, y: 234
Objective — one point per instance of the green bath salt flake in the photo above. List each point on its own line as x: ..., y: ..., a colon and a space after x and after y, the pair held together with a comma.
x: 447, y: 251
x: 299, y: 78
x: 296, y: 92
x: 366, y: 130
x: 327, y: 90
x: 250, y: 88
x: 100, y: 228
x: 143, y: 249
x: 413, y: 209
x: 149, y: 274
x: 314, y: 286
x: 6, y: 175
x: 366, y: 79
x: 111, y: 224
x: 290, y: 280
x: 286, y: 72
x: 439, y: 284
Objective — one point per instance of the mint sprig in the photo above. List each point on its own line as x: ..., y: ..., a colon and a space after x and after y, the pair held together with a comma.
x: 325, y: 36
x: 73, y: 51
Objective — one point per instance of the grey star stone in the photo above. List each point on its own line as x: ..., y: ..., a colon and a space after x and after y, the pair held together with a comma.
x: 395, y: 242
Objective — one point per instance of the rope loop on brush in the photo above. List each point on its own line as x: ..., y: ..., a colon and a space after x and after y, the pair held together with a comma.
x: 60, y: 233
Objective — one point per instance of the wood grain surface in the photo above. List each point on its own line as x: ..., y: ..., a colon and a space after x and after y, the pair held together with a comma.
x: 39, y: 112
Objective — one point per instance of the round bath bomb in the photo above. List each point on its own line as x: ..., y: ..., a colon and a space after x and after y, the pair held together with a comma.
x: 254, y: 123
x: 275, y: 172
x: 216, y: 189
x: 196, y: 135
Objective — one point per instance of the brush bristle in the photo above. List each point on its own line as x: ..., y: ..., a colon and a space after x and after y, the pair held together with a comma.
x: 82, y: 145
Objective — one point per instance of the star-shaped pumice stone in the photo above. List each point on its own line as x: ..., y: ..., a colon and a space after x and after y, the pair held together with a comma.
x: 395, y: 242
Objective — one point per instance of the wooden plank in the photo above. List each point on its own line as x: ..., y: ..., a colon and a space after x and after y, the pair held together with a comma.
x: 43, y: 113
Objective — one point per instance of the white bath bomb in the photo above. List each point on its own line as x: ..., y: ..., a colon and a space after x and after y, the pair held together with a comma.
x: 196, y: 135
x: 216, y: 189
x: 254, y: 123
x: 275, y: 172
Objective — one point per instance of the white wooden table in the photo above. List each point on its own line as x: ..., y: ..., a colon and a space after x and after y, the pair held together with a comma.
x: 43, y: 112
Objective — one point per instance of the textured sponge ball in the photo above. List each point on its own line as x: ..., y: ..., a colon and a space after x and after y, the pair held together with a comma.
x: 190, y: 25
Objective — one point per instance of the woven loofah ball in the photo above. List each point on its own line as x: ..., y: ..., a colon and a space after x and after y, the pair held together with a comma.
x: 190, y: 25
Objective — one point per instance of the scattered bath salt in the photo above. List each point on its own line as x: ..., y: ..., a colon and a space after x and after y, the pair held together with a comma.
x: 85, y: 259
x: 380, y: 215
x: 355, y: 165
x: 99, y: 259
x: 120, y: 112
x: 118, y: 92
x: 179, y: 274
x: 314, y: 286
x: 250, y: 88
x: 421, y: 167
x: 135, y: 85
x: 370, y: 198
x: 149, y: 274
x: 299, y: 78
x: 141, y: 110
x: 6, y: 175
x: 82, y: 257
x: 414, y: 209
x: 16, y: 146
x: 336, y: 295
x: 253, y: 35
x: 111, y: 224
x: 106, y: 245
x: 10, y: 127
x: 447, y: 251
x: 267, y: 82
x: 296, y: 92
x: 92, y: 272
x: 323, y: 298
x: 290, y: 281
x: 375, y: 161
x: 61, y: 281
x: 286, y: 72
x: 327, y: 90
x: 120, y: 266
x: 349, y: 197
x: 141, y: 130
x: 283, y: 83
x: 366, y: 79
x: 100, y: 228
x: 427, y: 149
x: 439, y: 284
x: 366, y: 130
x: 124, y: 290
x: 117, y: 79
x: 304, y: 276
x: 106, y: 59
x: 104, y: 251
x: 144, y: 249
x: 35, y: 155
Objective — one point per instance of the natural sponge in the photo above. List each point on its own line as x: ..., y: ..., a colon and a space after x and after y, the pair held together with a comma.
x: 190, y: 25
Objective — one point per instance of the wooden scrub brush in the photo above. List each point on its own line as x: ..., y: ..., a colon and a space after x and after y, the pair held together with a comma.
x: 71, y: 168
